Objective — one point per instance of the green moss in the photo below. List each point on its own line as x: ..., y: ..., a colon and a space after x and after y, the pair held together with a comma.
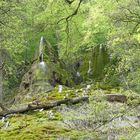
x: 48, y: 96
x: 38, y: 124
x: 36, y: 130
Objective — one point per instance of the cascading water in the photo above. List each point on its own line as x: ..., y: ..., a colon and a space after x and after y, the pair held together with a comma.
x: 38, y: 78
x: 41, y: 57
x: 100, y: 59
x: 41, y: 49
x: 42, y: 64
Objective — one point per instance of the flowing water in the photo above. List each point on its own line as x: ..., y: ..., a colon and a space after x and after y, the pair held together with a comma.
x: 42, y: 64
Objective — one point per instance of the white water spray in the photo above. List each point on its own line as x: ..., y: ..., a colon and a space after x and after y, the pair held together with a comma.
x: 42, y: 64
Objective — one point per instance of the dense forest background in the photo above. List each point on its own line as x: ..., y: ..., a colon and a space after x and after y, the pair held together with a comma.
x: 75, y: 28
x: 89, y: 42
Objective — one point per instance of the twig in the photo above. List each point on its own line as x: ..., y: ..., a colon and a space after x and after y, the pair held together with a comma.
x: 2, y: 66
x: 71, y: 15
x: 115, y: 117
x: 3, y: 107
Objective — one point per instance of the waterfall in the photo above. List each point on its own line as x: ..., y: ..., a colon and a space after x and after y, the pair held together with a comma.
x: 41, y: 57
x: 100, y: 59
x: 42, y: 64
x: 41, y: 49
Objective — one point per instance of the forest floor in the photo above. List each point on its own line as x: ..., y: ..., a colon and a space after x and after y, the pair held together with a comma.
x: 97, y: 119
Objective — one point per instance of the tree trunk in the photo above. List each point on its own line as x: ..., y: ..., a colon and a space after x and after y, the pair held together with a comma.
x: 0, y: 76
x: 36, y: 105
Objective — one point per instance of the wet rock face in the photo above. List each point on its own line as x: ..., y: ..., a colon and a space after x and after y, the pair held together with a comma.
x: 36, y: 80
x: 100, y: 60
x: 45, y: 72
x: 26, y: 81
x: 43, y: 76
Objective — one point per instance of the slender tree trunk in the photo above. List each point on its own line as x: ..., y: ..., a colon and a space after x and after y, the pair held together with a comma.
x: 0, y: 76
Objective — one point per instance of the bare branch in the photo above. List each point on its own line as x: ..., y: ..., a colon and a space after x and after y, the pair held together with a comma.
x: 69, y: 1
x: 135, y: 27
x: 1, y: 67
x: 71, y: 15
x: 3, y: 107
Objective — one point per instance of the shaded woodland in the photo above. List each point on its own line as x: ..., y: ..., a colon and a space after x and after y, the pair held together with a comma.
x: 69, y: 69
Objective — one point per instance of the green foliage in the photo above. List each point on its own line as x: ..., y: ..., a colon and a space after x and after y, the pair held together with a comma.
x: 76, y: 29
x: 105, y: 32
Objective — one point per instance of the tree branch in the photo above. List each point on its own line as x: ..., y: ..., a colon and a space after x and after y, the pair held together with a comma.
x: 3, y: 107
x: 69, y: 1
x: 71, y: 15
x: 2, y: 66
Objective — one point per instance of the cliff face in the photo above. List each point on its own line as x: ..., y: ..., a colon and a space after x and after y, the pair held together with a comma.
x: 36, y: 79
x: 46, y: 72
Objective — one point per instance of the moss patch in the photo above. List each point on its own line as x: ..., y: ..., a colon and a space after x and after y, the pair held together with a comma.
x: 76, y: 122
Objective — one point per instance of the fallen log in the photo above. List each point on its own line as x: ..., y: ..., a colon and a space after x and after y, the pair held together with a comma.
x: 116, y: 98
x: 37, y: 105
x: 111, y: 98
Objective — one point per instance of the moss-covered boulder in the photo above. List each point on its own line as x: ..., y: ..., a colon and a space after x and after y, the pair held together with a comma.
x: 46, y: 71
